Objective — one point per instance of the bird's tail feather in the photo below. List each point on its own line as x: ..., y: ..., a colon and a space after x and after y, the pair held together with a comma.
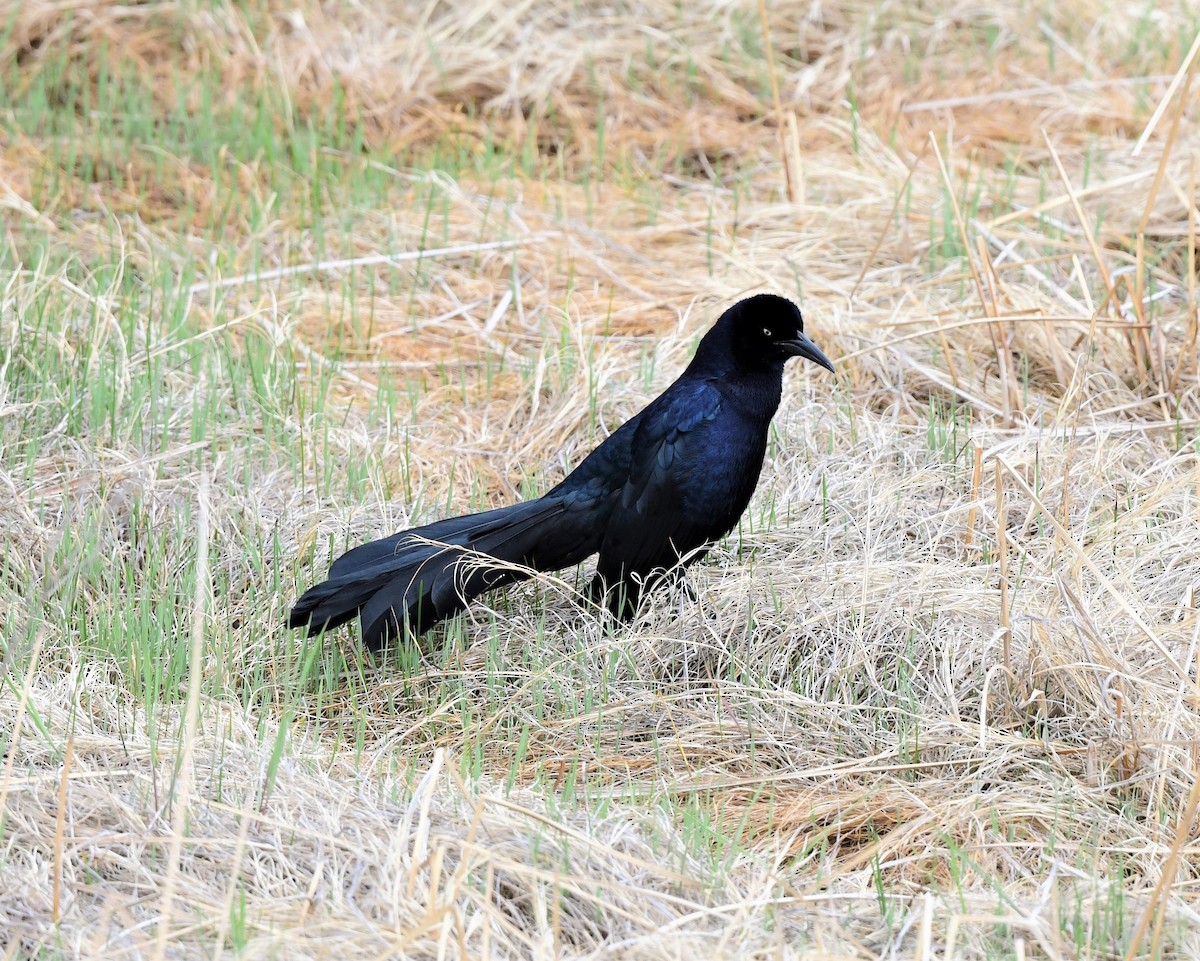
x: 422, y: 575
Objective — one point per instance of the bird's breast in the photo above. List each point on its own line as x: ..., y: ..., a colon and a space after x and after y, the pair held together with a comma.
x: 718, y: 483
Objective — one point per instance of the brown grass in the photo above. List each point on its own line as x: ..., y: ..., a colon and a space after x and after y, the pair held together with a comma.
x: 855, y: 744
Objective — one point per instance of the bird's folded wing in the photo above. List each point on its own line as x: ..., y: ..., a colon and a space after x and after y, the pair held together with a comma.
x: 651, y: 523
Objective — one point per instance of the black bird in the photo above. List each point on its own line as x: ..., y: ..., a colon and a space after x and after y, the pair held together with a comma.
x: 651, y: 499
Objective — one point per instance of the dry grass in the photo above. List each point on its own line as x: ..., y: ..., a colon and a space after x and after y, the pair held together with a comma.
x: 939, y: 695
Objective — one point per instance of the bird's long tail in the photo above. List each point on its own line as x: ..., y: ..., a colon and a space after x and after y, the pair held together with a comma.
x: 422, y: 575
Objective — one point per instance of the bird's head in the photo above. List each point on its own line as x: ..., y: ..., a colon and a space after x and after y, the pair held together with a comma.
x: 761, y: 333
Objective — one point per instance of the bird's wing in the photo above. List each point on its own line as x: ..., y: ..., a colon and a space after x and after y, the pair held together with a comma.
x: 650, y: 525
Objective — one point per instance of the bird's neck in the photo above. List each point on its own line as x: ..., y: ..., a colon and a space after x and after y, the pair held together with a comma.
x: 755, y: 395
x: 752, y: 386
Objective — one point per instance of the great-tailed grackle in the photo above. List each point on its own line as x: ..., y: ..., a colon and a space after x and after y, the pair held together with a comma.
x: 651, y: 499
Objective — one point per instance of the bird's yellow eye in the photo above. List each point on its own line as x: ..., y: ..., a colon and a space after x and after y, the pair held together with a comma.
x: 768, y: 333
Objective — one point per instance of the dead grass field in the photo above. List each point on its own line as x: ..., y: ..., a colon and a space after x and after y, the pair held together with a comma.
x: 277, y: 278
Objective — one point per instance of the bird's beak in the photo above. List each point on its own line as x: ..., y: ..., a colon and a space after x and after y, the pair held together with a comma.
x: 803, y: 347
